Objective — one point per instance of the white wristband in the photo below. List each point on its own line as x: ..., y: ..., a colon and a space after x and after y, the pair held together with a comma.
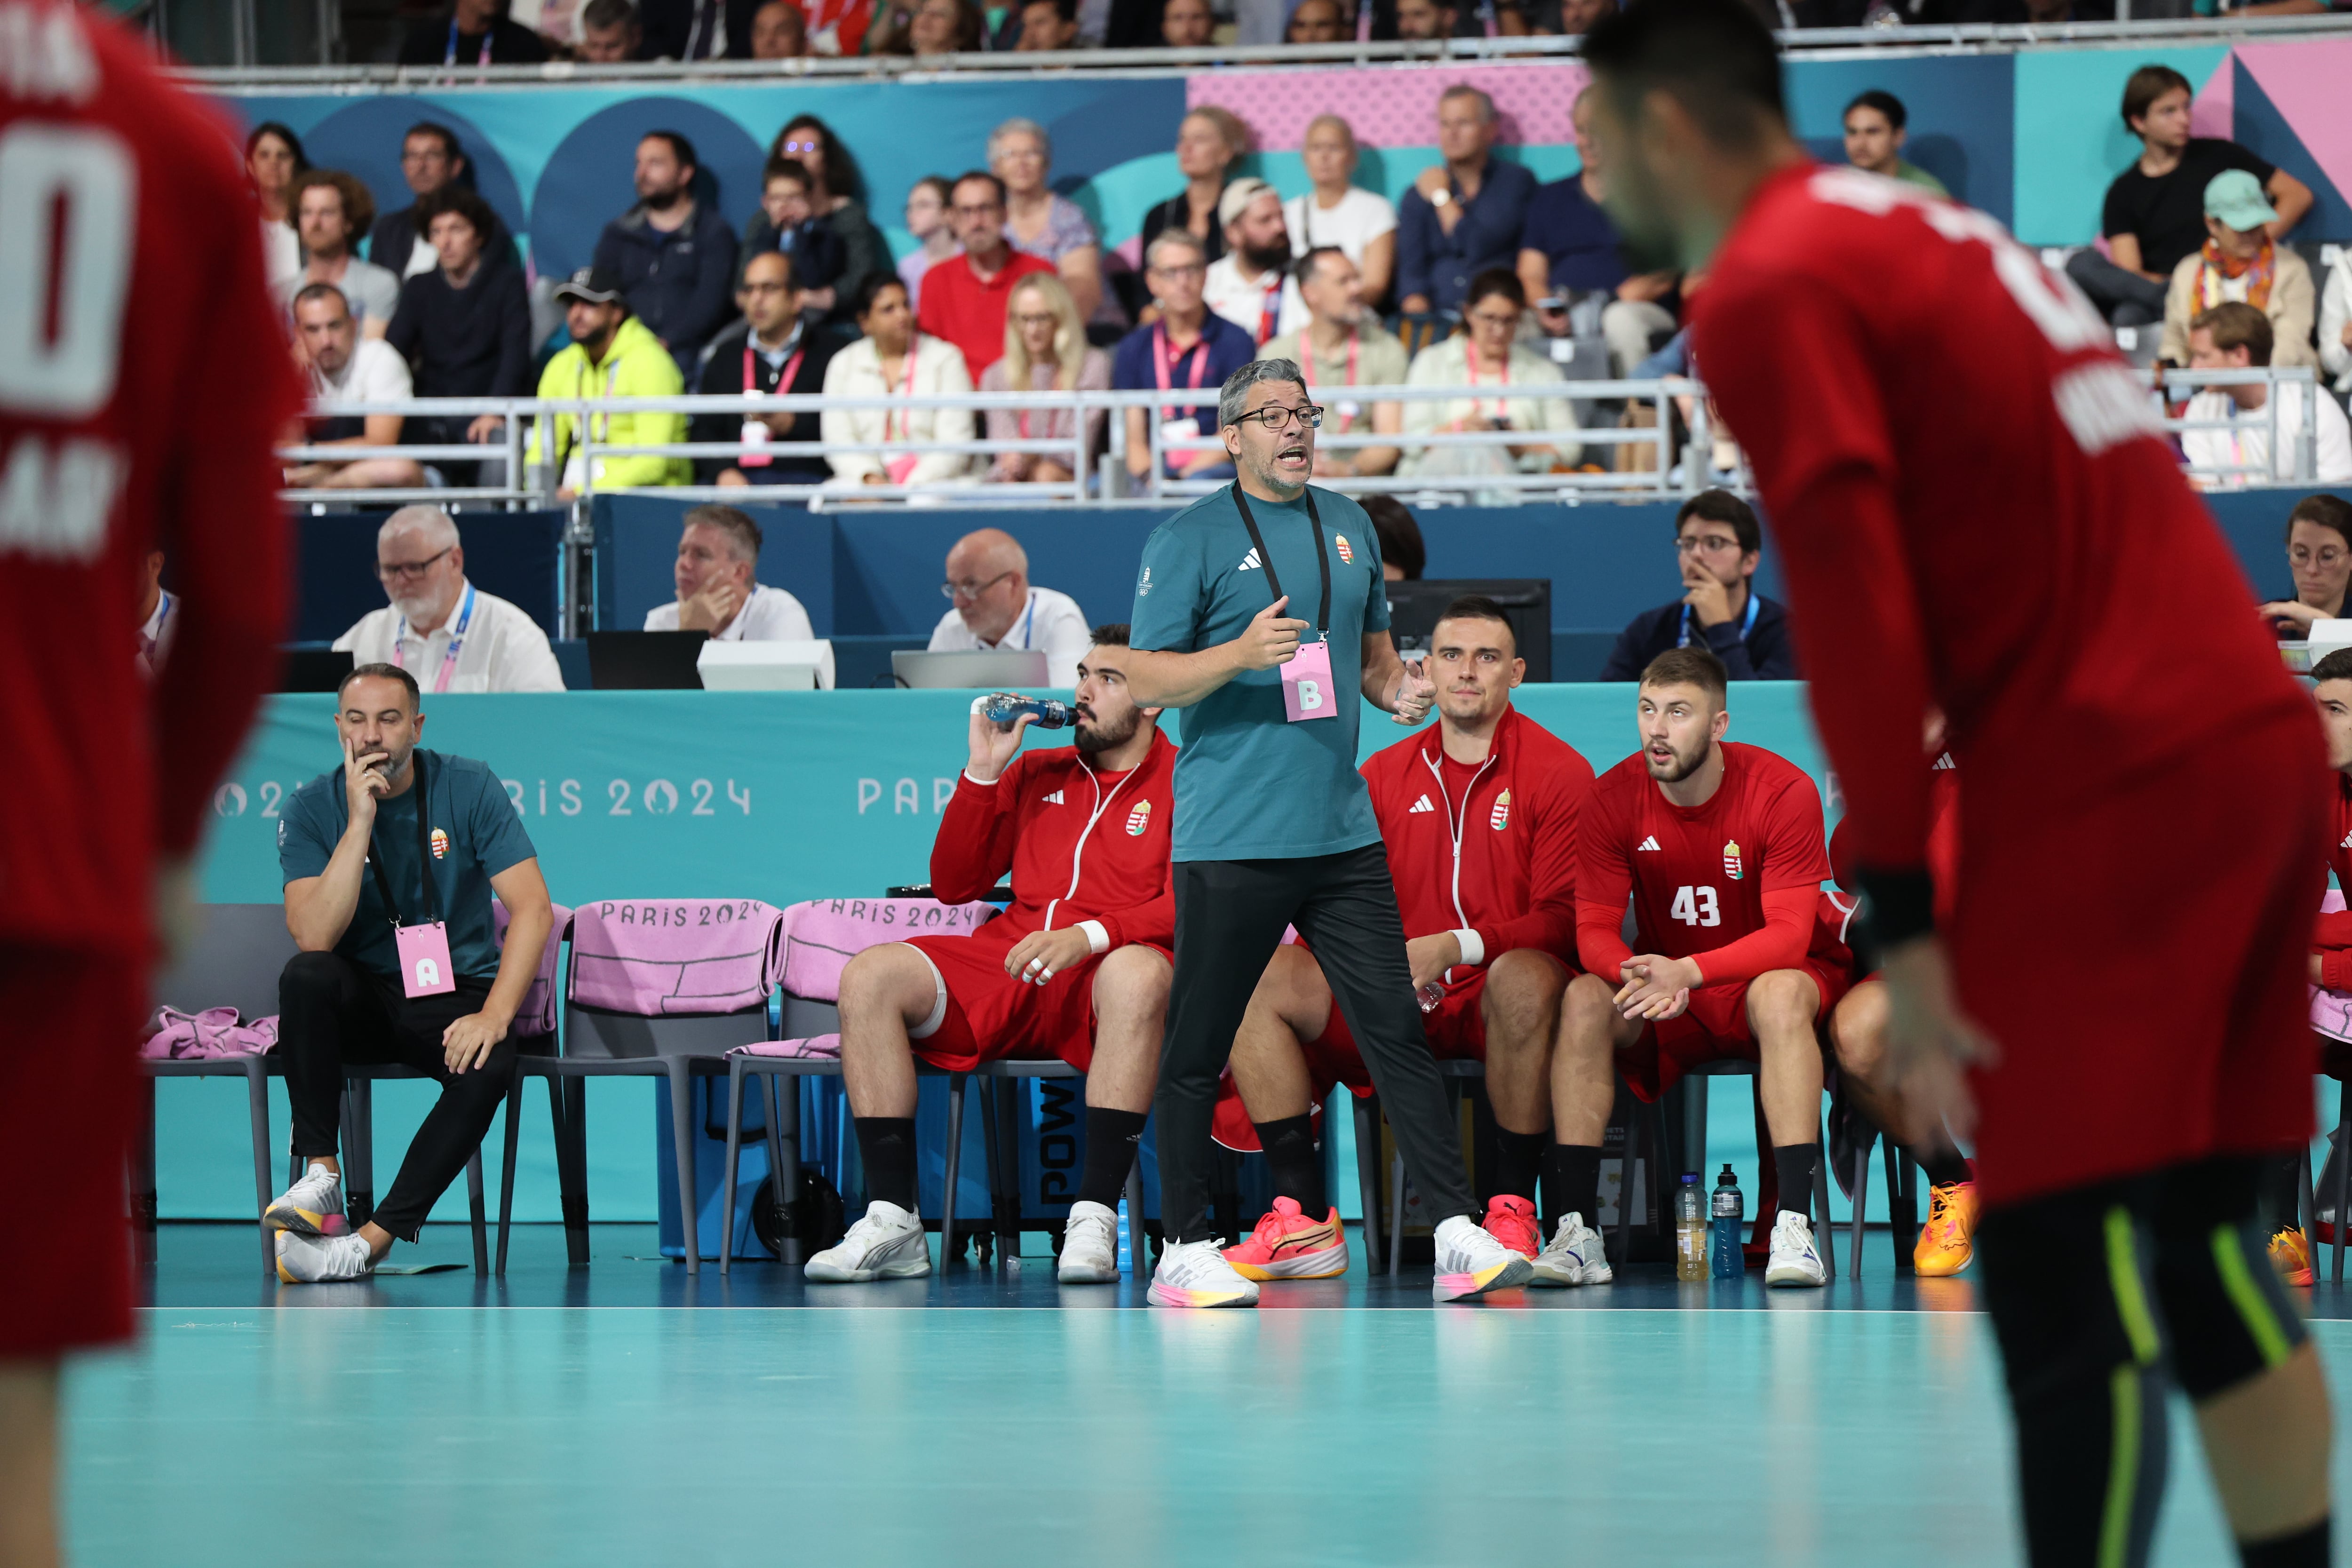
x: 984, y: 784
x: 1473, y: 950
x: 1096, y: 937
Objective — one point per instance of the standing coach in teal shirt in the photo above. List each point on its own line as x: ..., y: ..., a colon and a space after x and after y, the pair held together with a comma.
x: 1274, y: 826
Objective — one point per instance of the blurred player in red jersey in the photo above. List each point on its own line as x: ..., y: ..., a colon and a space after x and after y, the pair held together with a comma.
x: 1719, y: 846
x: 2330, y: 966
x: 114, y: 188
x: 1976, y: 511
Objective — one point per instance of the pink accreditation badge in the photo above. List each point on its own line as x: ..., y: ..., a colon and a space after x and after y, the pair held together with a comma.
x: 1307, y: 684
x: 424, y: 966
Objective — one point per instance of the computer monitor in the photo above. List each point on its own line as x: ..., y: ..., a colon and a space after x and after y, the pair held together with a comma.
x: 1414, y: 609
x: 991, y: 669
x: 314, y: 668
x: 645, y: 661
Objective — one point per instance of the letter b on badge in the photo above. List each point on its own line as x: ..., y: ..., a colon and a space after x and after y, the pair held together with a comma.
x: 1307, y: 684
x: 424, y: 966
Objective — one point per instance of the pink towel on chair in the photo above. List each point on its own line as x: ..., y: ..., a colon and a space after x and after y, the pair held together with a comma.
x: 820, y: 1047
x: 537, y: 1014
x: 662, y: 957
x: 823, y: 935
x: 208, y: 1036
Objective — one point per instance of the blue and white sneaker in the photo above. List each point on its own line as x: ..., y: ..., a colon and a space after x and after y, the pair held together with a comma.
x: 1572, y: 1257
x: 1795, y: 1260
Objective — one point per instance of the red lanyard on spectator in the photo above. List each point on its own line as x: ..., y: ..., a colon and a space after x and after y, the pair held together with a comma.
x: 1163, y: 366
x: 1502, y: 406
x: 906, y: 420
x: 1306, y: 369
x: 450, y: 58
x: 784, y: 381
x: 1269, y: 309
x: 456, y: 641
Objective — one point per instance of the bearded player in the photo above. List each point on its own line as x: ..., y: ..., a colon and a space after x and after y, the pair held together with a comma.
x: 1976, y: 511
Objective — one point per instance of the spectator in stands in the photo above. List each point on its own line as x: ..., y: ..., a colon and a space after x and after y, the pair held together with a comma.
x: 1361, y: 222
x: 156, y: 626
x: 1463, y: 217
x: 1045, y: 349
x: 773, y: 349
x: 1316, y: 22
x: 1423, y: 20
x: 1719, y: 542
x: 610, y: 34
x: 2240, y: 261
x: 1488, y: 353
x: 2319, y: 554
x: 1209, y: 141
x: 1047, y: 25
x: 1187, y: 24
x: 273, y: 159
x: 435, y: 613
x: 932, y: 28
x: 2154, y: 211
x: 1039, y: 223
x: 1571, y: 263
x: 348, y: 368
x: 464, y: 326
x: 1874, y: 135
x: 1343, y: 346
x: 837, y: 198
x: 2335, y: 324
x: 2234, y: 335
x: 612, y: 354
x: 1402, y: 554
x: 1576, y: 17
x: 430, y: 158
x: 1189, y: 345
x: 963, y: 300
x: 795, y: 230
x: 331, y: 211
x: 673, y: 254
x: 779, y: 32
x: 471, y: 32
x: 996, y: 607
x: 1250, y: 285
x: 719, y: 591
x: 698, y: 30
x: 934, y: 231
x: 894, y: 360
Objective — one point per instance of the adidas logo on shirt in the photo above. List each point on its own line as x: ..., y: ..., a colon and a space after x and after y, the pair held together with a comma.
x: 1649, y: 843
x: 1054, y: 798
x: 1420, y: 806
x: 1250, y: 562
x: 2347, y: 842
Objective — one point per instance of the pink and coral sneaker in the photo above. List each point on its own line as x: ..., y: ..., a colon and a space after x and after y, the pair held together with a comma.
x: 1512, y: 1221
x: 1287, y: 1244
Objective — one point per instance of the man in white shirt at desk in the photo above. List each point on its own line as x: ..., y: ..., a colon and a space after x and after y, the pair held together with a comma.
x: 439, y: 627
x: 996, y: 607
x: 717, y: 560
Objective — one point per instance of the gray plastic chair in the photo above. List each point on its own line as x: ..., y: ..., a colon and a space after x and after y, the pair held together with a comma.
x: 1649, y: 1118
x: 1457, y: 1072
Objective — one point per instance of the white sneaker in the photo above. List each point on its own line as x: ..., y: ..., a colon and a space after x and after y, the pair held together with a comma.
x: 1090, y: 1246
x: 1574, y: 1255
x: 316, y: 1260
x: 1794, y: 1260
x: 311, y: 1206
x: 1471, y: 1262
x: 887, y: 1243
x: 1195, y: 1274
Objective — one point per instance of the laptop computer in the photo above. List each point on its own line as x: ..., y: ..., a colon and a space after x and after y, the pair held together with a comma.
x: 313, y: 668
x: 645, y: 661
x: 994, y: 669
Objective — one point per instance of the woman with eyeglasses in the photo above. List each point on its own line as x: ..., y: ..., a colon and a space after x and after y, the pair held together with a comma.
x: 1044, y: 351
x: 2319, y: 554
x: 1043, y: 223
x: 834, y: 196
x: 1511, y: 387
x: 273, y: 159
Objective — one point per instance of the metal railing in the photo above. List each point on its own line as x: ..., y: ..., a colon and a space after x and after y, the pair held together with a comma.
x: 2261, y: 465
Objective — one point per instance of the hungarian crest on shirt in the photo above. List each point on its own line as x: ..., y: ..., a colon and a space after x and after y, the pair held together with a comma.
x: 1138, y: 819
x: 1732, y: 867
x: 1347, y: 556
x: 1500, y: 818
x: 440, y: 845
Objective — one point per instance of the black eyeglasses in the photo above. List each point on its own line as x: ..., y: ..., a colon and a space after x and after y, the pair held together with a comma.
x: 408, y: 571
x: 1279, y: 418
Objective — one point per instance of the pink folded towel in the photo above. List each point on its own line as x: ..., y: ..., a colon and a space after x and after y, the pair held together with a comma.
x: 537, y: 1014
x: 823, y: 935
x: 208, y: 1036
x: 823, y: 1047
x: 662, y: 957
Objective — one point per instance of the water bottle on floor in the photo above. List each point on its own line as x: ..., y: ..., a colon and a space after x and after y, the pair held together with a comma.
x: 1690, y: 1230
x: 1729, y: 1210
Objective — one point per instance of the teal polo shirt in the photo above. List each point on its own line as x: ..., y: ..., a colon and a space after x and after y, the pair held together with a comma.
x: 1249, y: 784
x: 483, y: 835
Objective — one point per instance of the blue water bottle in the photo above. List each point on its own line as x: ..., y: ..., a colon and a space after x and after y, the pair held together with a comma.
x: 1726, y: 1213
x: 1126, y: 1245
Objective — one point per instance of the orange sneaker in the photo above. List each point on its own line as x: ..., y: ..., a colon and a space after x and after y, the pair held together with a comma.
x: 1512, y: 1221
x: 2290, y: 1255
x: 1947, y: 1240
x: 1287, y: 1244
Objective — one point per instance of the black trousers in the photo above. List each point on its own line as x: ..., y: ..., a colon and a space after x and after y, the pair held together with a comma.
x: 333, y: 1014
x: 1229, y: 921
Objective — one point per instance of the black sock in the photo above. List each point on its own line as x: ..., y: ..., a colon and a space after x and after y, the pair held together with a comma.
x: 2306, y: 1548
x: 1111, y: 1138
x: 1518, y: 1157
x: 886, y: 1145
x: 1943, y: 1163
x: 2283, y: 1179
x: 1295, y: 1163
x: 1794, y: 1164
x: 1571, y: 1184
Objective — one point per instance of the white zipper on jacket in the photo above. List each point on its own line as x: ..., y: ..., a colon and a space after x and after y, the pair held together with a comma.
x: 1078, y: 850
x: 1454, y: 822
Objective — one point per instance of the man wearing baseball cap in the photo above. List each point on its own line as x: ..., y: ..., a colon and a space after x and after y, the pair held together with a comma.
x: 1251, y: 285
x: 2240, y: 263
x: 612, y: 354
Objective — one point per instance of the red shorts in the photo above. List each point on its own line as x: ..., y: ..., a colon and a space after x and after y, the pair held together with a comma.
x: 991, y: 1017
x: 68, y: 1093
x: 1456, y: 1028
x: 2171, y: 1020
x: 1712, y: 1028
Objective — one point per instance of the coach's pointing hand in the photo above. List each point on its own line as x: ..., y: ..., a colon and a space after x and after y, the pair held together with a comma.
x: 1270, y: 639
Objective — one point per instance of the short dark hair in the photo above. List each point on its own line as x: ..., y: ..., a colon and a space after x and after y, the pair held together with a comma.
x: 1886, y: 103
x: 439, y: 133
x: 1303, y: 269
x: 2336, y: 666
x: 1722, y: 506
x: 1714, y: 57
x: 1399, y: 536
x: 869, y: 289
x: 1067, y: 10
x: 382, y: 672
x: 602, y: 14
x: 779, y: 167
x: 1689, y: 667
x: 1496, y: 280
x: 680, y: 147
x: 731, y: 520
x: 461, y: 200
x: 982, y: 174
x: 310, y: 292
x: 2237, y: 325
x: 285, y: 133
x: 1110, y: 634
x: 2145, y: 86
x: 2326, y: 510
x: 1479, y: 608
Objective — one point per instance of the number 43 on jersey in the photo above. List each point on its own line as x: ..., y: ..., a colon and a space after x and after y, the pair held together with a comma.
x: 1696, y: 907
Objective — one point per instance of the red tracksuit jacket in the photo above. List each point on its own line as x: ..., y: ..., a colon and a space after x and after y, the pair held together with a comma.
x: 1501, y: 862
x: 1081, y: 846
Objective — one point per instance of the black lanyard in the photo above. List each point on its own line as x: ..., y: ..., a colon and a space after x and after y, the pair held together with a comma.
x: 1265, y: 556
x: 424, y: 856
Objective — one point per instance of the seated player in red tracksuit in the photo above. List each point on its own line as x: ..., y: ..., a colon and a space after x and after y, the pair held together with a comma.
x: 1719, y: 847
x: 1078, y: 968
x: 2331, y: 956
x: 1479, y: 815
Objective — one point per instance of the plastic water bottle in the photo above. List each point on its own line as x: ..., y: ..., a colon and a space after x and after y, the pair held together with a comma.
x: 1125, y: 1249
x: 1729, y: 1210
x: 1004, y: 707
x: 1431, y: 996
x: 1690, y: 1229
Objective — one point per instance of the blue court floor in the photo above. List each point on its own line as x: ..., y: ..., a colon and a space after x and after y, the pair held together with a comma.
x: 600, y: 1417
